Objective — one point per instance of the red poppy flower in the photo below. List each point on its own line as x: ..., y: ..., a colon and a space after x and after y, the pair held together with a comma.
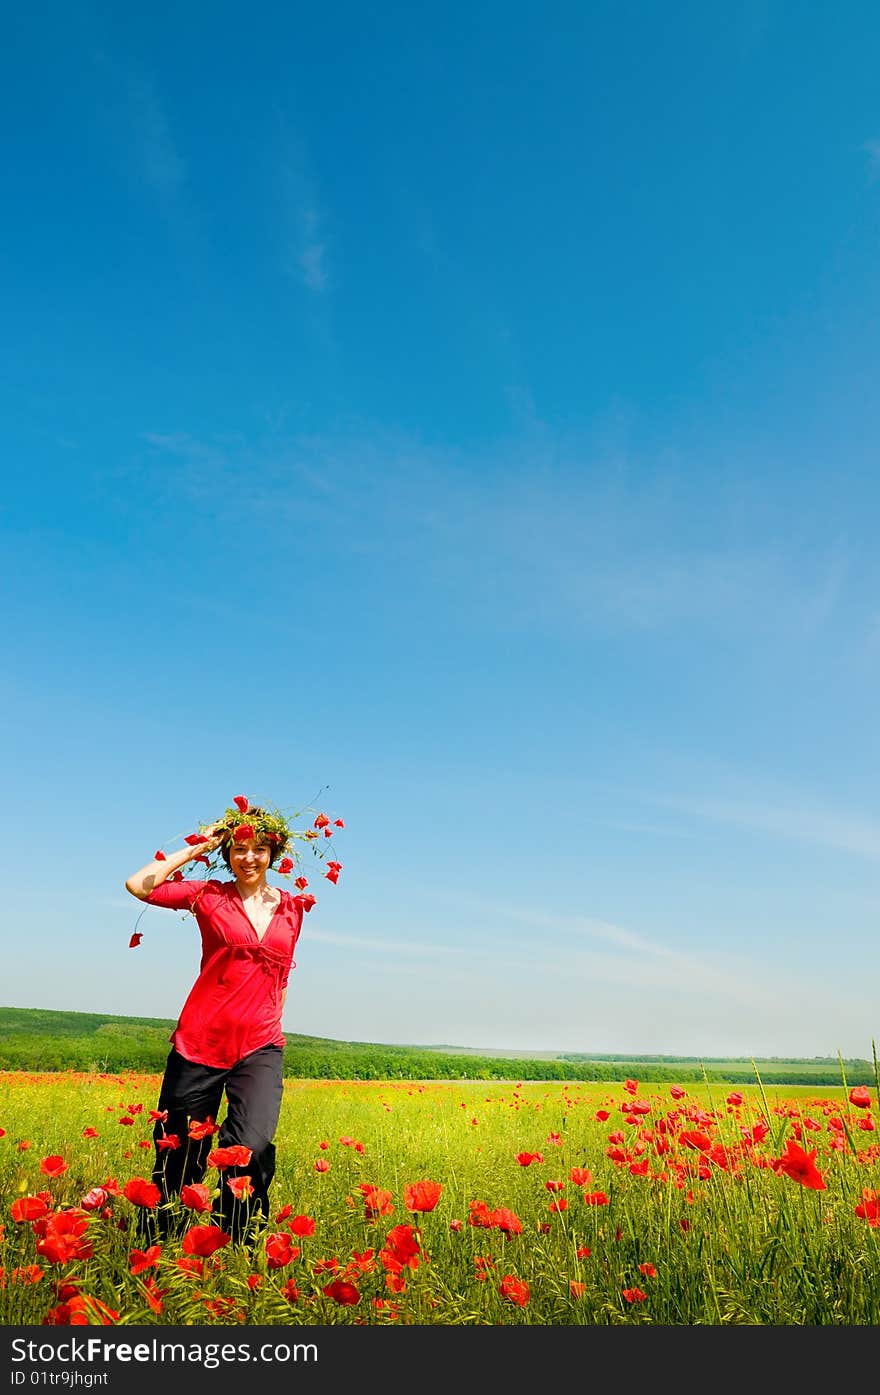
x: 693, y: 1138
x: 94, y: 1199
x: 236, y: 1155
x: 860, y: 1096
x: 140, y: 1192
x: 582, y: 1252
x: 189, y: 1264
x: 322, y: 1165
x: 280, y: 1250
x: 301, y: 882
x: 159, y: 856
x: 300, y: 1225
x: 634, y: 1295
x: 53, y: 1166
x: 135, y: 940
x: 90, y: 1132
x: 84, y: 1310
x: 554, y: 1186
x: 196, y: 1196
x: 339, y: 823
x: 421, y: 1196
x: 402, y: 1246
x: 507, y: 1221
x: 176, y: 876
x: 285, y: 866
x: 677, y: 1092
x: 480, y: 1215
x: 139, y: 1260
x: 321, y: 821
x: 869, y: 1207
x: 631, y: 1086
x: 195, y: 838
x: 204, y: 1240
x: 332, y: 875
x: 242, y: 804
x: 347, y: 1295
x: 734, y: 1098
x: 576, y: 1288
x: 243, y: 832
x: 648, y: 1270
x: 154, y: 1295
x: 241, y: 1187
x: 63, y: 1237
x: 306, y: 901
x: 581, y: 1176
x: 203, y: 1128
x: 800, y: 1166
x: 514, y: 1290
x: 526, y: 1159
x: 376, y: 1201
x: 28, y: 1208
x: 595, y: 1198
x: 168, y: 1140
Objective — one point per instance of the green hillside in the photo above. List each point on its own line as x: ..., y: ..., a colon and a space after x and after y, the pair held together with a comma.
x: 37, y: 1039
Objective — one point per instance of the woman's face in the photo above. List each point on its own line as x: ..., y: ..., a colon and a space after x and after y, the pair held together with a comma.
x: 249, y: 861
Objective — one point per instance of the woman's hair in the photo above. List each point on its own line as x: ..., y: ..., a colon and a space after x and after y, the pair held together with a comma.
x: 253, y: 815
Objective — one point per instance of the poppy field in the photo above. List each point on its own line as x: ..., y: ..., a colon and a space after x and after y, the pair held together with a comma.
x: 452, y: 1203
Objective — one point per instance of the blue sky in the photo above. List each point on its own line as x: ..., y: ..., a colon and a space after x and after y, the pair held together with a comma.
x: 471, y: 417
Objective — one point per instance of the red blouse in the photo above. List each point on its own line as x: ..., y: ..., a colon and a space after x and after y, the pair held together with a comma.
x: 234, y: 1006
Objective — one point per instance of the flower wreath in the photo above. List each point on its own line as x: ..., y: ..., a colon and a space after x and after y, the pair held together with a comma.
x: 269, y: 825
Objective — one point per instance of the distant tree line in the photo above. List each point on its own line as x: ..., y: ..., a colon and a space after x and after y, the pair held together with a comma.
x: 146, y: 1050
x: 37, y: 1039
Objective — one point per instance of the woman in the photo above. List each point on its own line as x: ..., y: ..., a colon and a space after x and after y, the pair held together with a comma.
x: 228, y: 1037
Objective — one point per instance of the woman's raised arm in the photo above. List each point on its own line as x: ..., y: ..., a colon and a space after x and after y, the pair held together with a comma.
x: 141, y: 883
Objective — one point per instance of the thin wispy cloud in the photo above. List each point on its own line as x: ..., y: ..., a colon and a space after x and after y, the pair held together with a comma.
x: 830, y: 828
x: 872, y: 150
x: 139, y: 120
x: 304, y: 249
x: 557, y: 547
x: 163, y: 167
x: 639, y: 962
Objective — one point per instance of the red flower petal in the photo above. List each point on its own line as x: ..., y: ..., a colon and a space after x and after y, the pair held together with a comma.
x: 242, y: 803
x: 135, y: 940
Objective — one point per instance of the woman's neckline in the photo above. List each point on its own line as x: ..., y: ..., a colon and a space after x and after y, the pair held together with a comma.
x: 266, y: 887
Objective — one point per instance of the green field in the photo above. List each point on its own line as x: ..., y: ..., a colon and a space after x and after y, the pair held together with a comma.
x: 45, y: 1040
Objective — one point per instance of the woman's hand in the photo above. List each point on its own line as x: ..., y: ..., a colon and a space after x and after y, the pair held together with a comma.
x: 214, y: 839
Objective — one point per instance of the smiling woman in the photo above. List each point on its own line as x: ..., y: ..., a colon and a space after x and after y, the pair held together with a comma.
x: 228, y: 1038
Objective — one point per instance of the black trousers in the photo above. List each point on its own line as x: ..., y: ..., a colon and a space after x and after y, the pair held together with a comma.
x: 191, y: 1092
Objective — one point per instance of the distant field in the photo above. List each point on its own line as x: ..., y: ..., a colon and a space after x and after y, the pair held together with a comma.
x: 40, y: 1039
